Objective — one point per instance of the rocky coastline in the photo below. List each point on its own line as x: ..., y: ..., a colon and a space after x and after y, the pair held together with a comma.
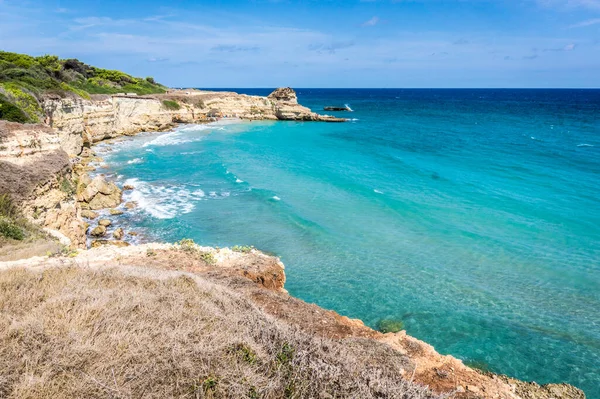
x: 45, y: 169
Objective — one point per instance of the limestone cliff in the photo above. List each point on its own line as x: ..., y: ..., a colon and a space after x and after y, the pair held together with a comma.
x: 81, y: 122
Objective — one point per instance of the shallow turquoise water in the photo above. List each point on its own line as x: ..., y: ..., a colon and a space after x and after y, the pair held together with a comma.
x: 472, y: 215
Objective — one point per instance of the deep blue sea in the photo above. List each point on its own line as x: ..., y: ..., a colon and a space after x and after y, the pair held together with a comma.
x: 471, y: 215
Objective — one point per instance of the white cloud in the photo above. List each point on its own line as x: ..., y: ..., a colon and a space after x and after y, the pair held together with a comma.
x: 588, y: 22
x: 372, y: 22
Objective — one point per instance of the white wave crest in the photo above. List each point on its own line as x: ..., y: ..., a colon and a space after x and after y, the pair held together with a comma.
x: 135, y: 161
x: 585, y: 145
x: 180, y: 136
x: 162, y: 202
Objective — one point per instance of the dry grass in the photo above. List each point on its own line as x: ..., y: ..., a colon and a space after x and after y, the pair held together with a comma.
x: 74, y: 332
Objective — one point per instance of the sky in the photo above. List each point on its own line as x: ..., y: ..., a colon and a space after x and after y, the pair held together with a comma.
x: 327, y: 43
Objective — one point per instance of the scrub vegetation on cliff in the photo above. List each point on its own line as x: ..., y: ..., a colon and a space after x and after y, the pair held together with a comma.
x: 25, y: 79
x: 135, y: 332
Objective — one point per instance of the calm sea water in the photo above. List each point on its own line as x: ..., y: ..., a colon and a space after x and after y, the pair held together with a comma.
x: 471, y: 215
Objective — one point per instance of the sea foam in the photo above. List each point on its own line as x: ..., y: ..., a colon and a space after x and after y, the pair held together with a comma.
x: 163, y: 202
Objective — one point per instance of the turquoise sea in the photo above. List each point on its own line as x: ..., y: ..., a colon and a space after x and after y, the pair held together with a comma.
x: 471, y: 215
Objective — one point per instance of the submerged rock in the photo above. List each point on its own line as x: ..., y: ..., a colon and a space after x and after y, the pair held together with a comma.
x: 390, y: 326
x: 131, y: 205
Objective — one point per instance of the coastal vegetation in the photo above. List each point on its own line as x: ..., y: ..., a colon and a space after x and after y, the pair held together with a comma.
x: 143, y: 332
x: 171, y: 105
x: 13, y: 226
x: 24, y: 80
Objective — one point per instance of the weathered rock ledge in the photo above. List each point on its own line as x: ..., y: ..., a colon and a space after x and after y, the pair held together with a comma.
x: 259, y: 279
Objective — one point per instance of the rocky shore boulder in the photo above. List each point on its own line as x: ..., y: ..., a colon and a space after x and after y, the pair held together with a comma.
x: 99, y: 194
x: 98, y: 231
x: 118, y: 234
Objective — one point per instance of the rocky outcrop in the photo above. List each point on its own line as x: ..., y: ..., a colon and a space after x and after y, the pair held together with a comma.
x: 99, y: 194
x: 36, y: 173
x: 67, y: 221
x: 284, y: 95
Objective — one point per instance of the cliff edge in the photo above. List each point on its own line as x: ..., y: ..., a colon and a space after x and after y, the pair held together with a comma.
x: 161, y: 320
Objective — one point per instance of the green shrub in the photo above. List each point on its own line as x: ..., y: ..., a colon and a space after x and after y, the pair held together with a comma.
x: 242, y: 248
x: 7, y: 207
x: 67, y: 187
x: 171, y: 105
x: 208, y: 258
x: 10, y: 230
x: 24, y: 100
x: 188, y: 245
x: 10, y: 112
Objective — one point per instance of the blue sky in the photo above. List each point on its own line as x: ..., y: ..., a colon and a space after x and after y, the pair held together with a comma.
x: 368, y: 43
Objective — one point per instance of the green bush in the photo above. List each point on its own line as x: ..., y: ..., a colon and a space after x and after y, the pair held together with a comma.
x: 208, y: 258
x: 242, y: 248
x: 24, y: 100
x: 10, y: 112
x: 188, y: 245
x: 171, y: 105
x: 10, y: 230
x: 7, y: 207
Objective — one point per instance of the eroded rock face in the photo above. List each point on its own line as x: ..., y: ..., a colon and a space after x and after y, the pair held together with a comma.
x: 67, y: 221
x: 284, y: 94
x: 99, y: 194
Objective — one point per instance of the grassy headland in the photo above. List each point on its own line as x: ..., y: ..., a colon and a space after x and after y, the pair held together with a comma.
x: 24, y: 80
